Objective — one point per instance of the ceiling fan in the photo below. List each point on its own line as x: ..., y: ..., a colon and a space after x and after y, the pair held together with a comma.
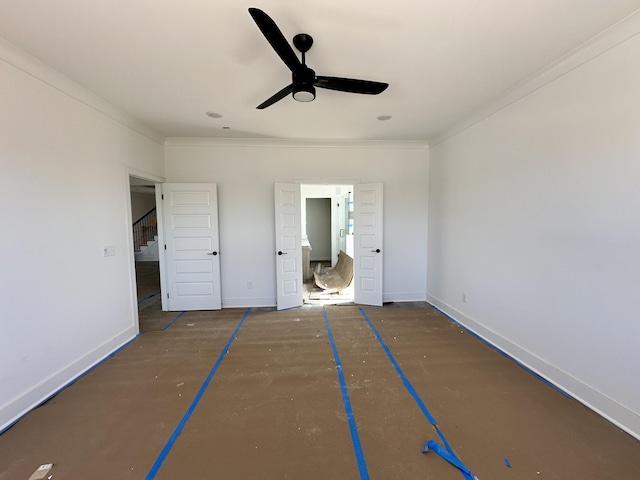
x: 304, y: 80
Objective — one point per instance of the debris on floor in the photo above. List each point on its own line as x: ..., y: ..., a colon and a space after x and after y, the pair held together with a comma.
x: 41, y: 472
x: 338, y: 278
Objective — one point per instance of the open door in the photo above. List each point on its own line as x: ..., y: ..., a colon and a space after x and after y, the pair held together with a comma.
x: 191, y: 242
x: 288, y: 245
x: 368, y: 248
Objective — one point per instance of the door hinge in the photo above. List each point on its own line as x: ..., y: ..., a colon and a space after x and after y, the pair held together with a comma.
x: 165, y: 246
x: 162, y: 196
x: 167, y: 295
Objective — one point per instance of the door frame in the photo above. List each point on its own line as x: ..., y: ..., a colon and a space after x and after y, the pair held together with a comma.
x: 328, y: 182
x: 128, y: 173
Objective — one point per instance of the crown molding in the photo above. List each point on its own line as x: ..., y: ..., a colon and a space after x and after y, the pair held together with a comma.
x: 615, y: 35
x: 30, y: 65
x: 292, y: 143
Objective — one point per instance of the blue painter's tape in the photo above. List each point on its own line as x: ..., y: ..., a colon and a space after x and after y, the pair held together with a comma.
x: 111, y: 355
x: 148, y: 297
x: 446, y: 444
x: 178, y: 430
x: 435, y: 447
x: 407, y: 384
x: 504, y: 354
x: 355, y: 438
x: 447, y: 453
x: 74, y: 380
x: 171, y: 322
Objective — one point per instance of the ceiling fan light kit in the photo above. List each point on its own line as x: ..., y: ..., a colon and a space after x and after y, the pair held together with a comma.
x: 303, y: 89
x: 304, y: 93
x: 304, y: 79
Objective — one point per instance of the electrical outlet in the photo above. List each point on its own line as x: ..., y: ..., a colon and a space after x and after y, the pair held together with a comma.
x: 249, y: 285
x: 464, y: 297
x: 108, y: 251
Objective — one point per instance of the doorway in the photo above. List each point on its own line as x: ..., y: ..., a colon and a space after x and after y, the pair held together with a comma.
x: 145, y: 245
x: 327, y: 229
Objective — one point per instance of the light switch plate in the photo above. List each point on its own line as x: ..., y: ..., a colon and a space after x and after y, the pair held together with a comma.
x: 108, y: 250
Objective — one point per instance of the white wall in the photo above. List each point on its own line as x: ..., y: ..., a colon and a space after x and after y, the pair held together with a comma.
x: 534, y: 213
x: 64, y: 194
x: 141, y: 204
x: 319, y: 227
x: 245, y: 174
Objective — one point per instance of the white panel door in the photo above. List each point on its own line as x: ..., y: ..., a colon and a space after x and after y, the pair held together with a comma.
x: 368, y: 249
x: 192, y: 257
x: 288, y: 245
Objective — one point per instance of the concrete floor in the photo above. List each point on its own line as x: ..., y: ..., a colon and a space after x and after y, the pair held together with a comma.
x: 316, y: 393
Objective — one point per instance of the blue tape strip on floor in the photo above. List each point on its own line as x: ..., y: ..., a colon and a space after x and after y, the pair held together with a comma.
x: 178, y: 430
x: 412, y: 391
x: 148, y: 297
x: 503, y: 353
x: 355, y: 438
x: 433, y: 446
x: 74, y: 380
x: 407, y: 384
x: 445, y: 442
x: 171, y: 322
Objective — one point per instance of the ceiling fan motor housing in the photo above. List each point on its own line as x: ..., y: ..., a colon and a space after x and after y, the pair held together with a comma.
x: 303, y: 80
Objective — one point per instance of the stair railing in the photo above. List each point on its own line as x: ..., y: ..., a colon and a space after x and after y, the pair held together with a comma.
x: 145, y: 229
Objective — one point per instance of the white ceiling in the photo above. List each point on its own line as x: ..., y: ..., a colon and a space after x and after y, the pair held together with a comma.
x: 167, y: 62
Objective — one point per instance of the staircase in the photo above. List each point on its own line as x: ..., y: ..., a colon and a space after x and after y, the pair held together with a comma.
x: 145, y: 237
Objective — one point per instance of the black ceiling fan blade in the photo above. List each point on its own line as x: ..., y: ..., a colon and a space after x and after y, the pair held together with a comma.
x: 277, y: 97
x: 275, y: 37
x: 351, y: 85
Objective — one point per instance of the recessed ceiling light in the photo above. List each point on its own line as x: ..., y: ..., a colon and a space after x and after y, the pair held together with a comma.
x: 384, y: 117
x: 214, y: 115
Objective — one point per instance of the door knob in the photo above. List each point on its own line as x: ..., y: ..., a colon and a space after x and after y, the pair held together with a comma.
x: 212, y: 253
x: 282, y: 253
x: 377, y: 250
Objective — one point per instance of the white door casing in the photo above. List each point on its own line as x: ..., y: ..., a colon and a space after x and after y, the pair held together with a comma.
x: 288, y: 245
x: 368, y: 248
x: 191, y: 238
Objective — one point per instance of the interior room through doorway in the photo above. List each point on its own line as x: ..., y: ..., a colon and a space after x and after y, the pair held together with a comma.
x: 327, y: 229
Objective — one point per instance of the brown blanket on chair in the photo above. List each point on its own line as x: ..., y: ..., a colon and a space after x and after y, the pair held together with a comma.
x: 337, y: 278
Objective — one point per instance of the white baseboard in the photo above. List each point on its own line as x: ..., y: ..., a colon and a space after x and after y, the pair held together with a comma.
x: 248, y: 302
x: 404, y: 297
x: 27, y: 401
x: 619, y: 415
